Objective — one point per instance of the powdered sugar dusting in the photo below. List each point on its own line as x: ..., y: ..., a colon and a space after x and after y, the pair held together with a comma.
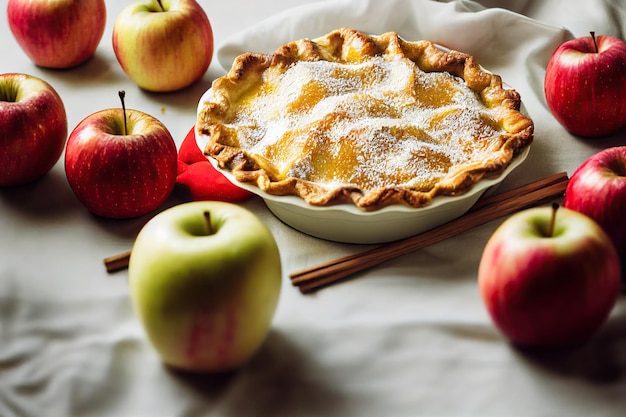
x: 373, y: 124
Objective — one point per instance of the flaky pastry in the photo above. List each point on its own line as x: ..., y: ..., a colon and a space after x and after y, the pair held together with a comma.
x: 373, y: 120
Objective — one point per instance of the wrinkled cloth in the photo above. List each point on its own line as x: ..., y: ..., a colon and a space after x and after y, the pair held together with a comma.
x: 201, y: 179
x: 407, y: 338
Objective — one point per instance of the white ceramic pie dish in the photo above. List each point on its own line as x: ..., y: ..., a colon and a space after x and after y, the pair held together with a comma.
x: 347, y: 223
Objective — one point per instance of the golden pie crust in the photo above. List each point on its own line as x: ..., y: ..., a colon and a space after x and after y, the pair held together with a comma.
x: 373, y: 120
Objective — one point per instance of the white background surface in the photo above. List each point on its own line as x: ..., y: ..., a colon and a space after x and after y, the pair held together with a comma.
x: 408, y: 338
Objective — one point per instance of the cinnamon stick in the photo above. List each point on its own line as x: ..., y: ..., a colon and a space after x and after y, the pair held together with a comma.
x: 527, y: 188
x: 487, y: 210
x: 117, y: 262
x: 314, y: 277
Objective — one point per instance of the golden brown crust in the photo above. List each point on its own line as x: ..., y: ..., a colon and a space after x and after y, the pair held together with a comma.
x: 505, y: 132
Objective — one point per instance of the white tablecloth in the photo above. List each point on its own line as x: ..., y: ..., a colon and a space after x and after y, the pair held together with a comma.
x: 408, y: 338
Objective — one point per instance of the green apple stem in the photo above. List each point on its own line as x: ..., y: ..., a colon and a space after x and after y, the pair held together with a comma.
x: 555, y: 208
x: 161, y: 5
x: 595, y: 44
x: 207, y: 220
x: 122, y: 94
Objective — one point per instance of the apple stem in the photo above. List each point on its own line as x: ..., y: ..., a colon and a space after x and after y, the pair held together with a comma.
x: 555, y: 208
x: 122, y: 94
x: 161, y: 5
x: 207, y: 220
x: 595, y: 44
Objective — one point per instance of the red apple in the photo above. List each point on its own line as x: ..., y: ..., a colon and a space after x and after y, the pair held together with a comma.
x: 548, y: 278
x: 121, y: 163
x: 585, y: 85
x: 33, y: 128
x: 597, y: 188
x: 163, y: 45
x: 60, y: 33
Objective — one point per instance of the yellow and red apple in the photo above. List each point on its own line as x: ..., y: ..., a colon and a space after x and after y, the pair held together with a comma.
x: 163, y: 45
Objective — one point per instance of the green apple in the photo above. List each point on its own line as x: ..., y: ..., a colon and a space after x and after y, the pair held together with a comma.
x: 205, y: 281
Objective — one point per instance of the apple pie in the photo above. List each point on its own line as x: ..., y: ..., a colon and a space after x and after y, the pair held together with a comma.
x: 372, y: 120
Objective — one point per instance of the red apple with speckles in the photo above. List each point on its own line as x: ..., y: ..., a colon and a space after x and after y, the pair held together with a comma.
x: 33, y: 128
x: 597, y: 188
x: 585, y: 85
x: 121, y: 163
x: 549, y: 277
x: 59, y: 33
